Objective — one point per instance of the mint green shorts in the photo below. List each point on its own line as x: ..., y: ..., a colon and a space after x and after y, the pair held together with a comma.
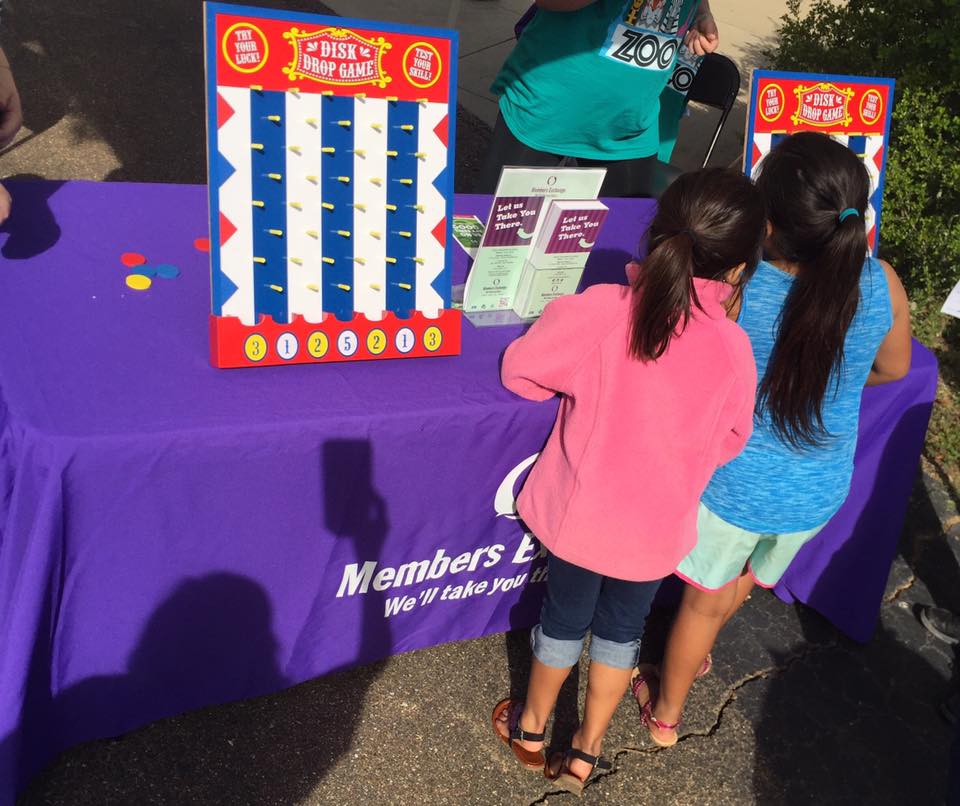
x: 723, y: 551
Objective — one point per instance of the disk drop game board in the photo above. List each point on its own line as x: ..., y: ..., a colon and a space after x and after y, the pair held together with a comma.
x: 330, y: 157
x: 851, y: 109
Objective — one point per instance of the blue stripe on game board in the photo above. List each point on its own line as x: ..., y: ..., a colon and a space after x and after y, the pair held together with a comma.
x: 337, y: 177
x: 269, y: 187
x: 857, y: 144
x: 402, y: 193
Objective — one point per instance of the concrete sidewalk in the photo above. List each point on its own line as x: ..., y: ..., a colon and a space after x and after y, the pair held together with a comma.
x: 101, y: 105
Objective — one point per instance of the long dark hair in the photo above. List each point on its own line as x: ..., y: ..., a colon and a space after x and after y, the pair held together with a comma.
x: 707, y: 223
x: 807, y: 182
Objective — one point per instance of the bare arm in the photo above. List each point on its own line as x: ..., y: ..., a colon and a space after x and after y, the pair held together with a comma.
x: 892, y: 361
x: 563, y: 5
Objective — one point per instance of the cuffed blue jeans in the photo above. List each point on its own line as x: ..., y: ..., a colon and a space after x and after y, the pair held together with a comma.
x: 614, y: 611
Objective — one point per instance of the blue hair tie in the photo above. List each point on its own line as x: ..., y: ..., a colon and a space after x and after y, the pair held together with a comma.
x: 849, y: 212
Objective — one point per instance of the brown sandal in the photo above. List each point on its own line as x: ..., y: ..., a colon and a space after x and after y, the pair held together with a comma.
x: 530, y: 759
x: 570, y: 781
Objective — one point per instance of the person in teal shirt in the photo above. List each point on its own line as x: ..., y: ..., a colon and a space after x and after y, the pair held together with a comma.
x: 585, y: 81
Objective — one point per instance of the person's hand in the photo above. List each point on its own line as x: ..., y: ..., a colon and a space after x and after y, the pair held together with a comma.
x: 703, y: 37
x: 5, y: 204
x: 11, y: 115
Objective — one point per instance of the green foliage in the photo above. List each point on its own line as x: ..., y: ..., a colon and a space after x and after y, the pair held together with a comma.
x: 918, y: 44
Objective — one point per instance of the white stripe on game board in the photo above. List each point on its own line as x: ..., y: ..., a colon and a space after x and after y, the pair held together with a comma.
x: 370, y: 278
x: 308, y: 213
x: 434, y: 208
x: 236, y: 255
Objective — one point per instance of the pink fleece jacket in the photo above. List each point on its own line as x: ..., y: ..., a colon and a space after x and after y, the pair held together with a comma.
x: 617, y: 486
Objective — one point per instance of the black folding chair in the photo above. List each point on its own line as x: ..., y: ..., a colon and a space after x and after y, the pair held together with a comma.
x: 716, y: 84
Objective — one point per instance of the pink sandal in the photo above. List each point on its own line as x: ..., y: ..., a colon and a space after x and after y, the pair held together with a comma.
x: 649, y: 721
x: 642, y: 689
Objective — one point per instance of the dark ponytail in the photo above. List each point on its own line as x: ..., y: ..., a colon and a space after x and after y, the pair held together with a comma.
x: 810, y: 184
x: 707, y: 223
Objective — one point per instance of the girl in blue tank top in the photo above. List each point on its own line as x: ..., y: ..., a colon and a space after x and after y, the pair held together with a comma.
x: 823, y: 322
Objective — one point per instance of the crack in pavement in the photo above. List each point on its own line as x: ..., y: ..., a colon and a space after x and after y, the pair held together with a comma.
x: 731, y: 694
x: 903, y: 587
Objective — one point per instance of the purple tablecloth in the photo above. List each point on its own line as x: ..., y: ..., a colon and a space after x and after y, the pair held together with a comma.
x: 173, y: 536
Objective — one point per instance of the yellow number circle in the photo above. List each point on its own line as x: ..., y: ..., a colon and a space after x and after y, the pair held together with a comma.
x: 432, y: 338
x: 318, y: 344
x: 376, y: 341
x: 255, y: 347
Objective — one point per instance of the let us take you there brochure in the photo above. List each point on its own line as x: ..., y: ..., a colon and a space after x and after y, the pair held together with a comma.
x: 522, y: 196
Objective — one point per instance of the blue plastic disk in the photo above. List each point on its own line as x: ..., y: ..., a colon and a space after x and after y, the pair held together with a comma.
x: 147, y: 271
x: 167, y: 271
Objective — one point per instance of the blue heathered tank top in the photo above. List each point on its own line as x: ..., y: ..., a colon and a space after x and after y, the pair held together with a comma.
x: 772, y: 487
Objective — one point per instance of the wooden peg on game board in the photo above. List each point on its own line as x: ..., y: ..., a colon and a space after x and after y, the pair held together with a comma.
x: 344, y: 179
x: 296, y: 261
x: 311, y: 122
x: 312, y: 178
x: 360, y: 260
x: 258, y: 88
x: 294, y: 91
x: 418, y: 260
x: 374, y: 286
x: 258, y: 203
x: 256, y: 146
x: 275, y: 177
x: 328, y: 260
x: 343, y: 286
x: 406, y: 127
x: 404, y: 233
x: 343, y: 233
x: 391, y: 207
x: 405, y: 181
x: 296, y: 205
x: 314, y: 288
x: 360, y: 152
x: 277, y: 288
x: 328, y: 150
x: 422, y: 101
x: 274, y: 118
x: 260, y: 260
x: 361, y: 95
x: 296, y: 150
x: 377, y: 127
x: 390, y: 260
x: 346, y: 124
x: 391, y: 153
x: 327, y: 206
x: 420, y: 155
x: 327, y: 93
x: 276, y: 232
x: 392, y: 99
x: 418, y: 207
x: 313, y: 233
x: 376, y: 180
x: 405, y: 286
x: 375, y: 234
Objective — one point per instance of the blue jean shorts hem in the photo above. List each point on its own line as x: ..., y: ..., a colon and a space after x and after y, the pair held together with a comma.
x: 613, y: 653
x: 563, y: 653
x: 556, y: 652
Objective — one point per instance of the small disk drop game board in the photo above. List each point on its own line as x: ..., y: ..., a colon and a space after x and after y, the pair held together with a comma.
x: 330, y: 157
x: 851, y: 109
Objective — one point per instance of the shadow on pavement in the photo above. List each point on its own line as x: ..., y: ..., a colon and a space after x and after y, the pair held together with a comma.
x: 135, y: 79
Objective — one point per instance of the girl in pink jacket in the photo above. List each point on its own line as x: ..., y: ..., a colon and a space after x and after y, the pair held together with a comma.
x: 657, y: 390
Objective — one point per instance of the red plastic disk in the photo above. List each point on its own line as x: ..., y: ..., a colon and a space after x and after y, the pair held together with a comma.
x: 202, y: 244
x: 131, y: 259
